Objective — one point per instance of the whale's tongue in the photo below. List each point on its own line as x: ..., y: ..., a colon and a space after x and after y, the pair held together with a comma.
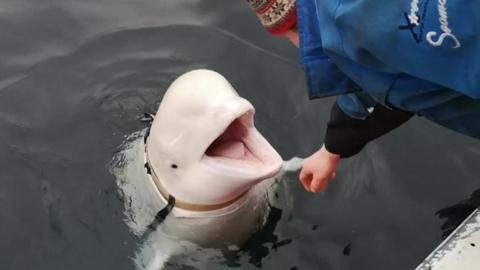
x: 229, y: 149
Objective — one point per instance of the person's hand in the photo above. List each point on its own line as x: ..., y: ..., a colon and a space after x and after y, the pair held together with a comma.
x: 318, y: 169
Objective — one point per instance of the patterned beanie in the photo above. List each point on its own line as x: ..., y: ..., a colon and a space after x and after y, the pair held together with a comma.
x: 278, y: 16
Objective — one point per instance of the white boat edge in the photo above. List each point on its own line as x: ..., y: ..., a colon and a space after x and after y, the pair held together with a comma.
x: 460, y: 250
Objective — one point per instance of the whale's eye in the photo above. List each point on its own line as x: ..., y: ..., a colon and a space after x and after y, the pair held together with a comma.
x: 174, y: 166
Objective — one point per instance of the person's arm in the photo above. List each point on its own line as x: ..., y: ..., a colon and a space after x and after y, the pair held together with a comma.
x: 345, y: 137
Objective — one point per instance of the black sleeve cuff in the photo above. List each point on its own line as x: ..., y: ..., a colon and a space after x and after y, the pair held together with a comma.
x: 346, y: 136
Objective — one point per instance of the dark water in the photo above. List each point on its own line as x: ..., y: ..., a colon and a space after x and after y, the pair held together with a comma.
x: 75, y: 76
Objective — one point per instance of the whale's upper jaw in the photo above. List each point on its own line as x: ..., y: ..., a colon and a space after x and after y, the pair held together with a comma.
x: 241, y: 150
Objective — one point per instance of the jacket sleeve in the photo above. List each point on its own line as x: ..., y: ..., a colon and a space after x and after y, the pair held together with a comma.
x: 346, y: 136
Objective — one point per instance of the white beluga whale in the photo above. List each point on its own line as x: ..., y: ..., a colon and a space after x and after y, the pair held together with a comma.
x: 203, y: 168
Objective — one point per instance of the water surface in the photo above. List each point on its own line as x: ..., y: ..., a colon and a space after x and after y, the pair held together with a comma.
x: 76, y: 77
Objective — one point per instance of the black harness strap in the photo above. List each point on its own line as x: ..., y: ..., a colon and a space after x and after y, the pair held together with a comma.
x: 162, y: 214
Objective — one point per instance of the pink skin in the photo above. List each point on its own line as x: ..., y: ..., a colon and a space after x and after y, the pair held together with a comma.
x: 318, y: 169
x: 321, y: 166
x: 230, y: 144
x: 292, y: 36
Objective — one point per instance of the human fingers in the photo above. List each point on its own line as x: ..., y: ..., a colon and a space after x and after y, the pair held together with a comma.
x: 318, y: 184
x: 306, y: 178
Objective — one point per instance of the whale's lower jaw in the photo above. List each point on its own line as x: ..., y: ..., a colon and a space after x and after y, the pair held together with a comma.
x: 240, y: 149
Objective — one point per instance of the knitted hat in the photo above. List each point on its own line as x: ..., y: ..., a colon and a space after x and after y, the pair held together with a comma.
x: 278, y: 16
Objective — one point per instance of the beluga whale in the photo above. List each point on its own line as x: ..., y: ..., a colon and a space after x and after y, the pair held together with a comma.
x: 200, y: 179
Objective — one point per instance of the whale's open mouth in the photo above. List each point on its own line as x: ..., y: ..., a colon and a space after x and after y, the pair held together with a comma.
x: 240, y: 148
x: 233, y: 142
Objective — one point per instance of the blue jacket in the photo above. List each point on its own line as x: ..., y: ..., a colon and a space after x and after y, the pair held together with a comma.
x: 421, y: 56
